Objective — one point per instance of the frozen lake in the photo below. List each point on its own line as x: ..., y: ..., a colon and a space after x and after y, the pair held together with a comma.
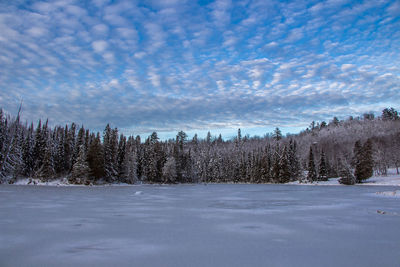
x: 198, y: 225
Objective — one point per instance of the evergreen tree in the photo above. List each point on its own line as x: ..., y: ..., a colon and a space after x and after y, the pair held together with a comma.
x: 80, y: 140
x: 345, y: 173
x: 121, y: 155
x: 364, y: 161
x: 110, y: 142
x: 312, y: 173
x: 69, y: 147
x: 40, y: 146
x: 277, y: 134
x: 284, y: 172
x: 390, y: 114
x: 46, y: 171
x: 169, y: 170
x: 323, y: 171
x: 294, y: 163
x: 129, y: 164
x: 95, y: 159
x: 13, y: 158
x: 59, y: 157
x: 27, y: 153
x: 80, y: 169
x: 276, y: 168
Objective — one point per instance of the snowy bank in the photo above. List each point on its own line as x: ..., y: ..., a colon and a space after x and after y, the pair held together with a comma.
x: 392, y: 179
x: 33, y: 181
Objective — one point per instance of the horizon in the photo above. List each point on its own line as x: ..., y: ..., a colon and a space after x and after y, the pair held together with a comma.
x: 216, y: 66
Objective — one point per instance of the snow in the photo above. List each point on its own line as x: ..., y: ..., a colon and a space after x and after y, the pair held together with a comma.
x: 33, y: 181
x: 395, y: 193
x: 391, y: 179
x: 197, y: 225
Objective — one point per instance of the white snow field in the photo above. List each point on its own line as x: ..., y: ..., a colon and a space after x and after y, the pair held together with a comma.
x: 199, y: 225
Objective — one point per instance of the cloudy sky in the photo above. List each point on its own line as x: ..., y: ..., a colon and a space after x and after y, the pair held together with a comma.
x: 198, y: 65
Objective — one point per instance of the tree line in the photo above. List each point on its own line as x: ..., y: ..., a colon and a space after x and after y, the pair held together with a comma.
x: 352, y: 149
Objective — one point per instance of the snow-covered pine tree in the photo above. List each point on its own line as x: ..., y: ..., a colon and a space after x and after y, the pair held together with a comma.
x: 284, y: 169
x: 13, y: 159
x: 80, y: 169
x: 110, y: 144
x: 129, y: 165
x: 40, y: 146
x: 79, y: 141
x: 345, y: 173
x: 46, y: 171
x: 169, y: 170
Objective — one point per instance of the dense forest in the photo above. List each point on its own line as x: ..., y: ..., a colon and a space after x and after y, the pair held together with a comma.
x: 352, y: 149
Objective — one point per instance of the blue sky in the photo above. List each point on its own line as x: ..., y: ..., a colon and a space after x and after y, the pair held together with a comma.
x: 196, y: 66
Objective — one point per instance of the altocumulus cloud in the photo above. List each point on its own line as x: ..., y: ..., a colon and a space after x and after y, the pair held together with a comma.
x: 171, y: 65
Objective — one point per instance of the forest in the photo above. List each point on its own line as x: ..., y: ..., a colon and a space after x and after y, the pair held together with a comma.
x: 353, y: 149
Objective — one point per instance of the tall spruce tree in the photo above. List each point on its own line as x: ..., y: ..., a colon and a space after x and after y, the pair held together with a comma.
x: 312, y: 173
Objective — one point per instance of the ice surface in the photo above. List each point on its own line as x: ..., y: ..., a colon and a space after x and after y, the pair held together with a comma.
x: 197, y: 225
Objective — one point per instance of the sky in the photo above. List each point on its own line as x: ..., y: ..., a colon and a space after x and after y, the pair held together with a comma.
x: 195, y: 66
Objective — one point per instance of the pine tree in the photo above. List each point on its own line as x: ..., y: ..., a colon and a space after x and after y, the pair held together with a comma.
x: 169, y: 170
x: 110, y: 141
x: 80, y: 170
x: 345, y: 173
x: 40, y: 146
x: 266, y: 164
x: 27, y: 153
x: 284, y: 173
x: 276, y: 168
x: 390, y: 114
x: 129, y: 164
x: 323, y: 171
x: 312, y: 173
x: 363, y: 160
x: 46, y: 171
x: 3, y: 134
x: 95, y: 159
x: 294, y: 163
x: 13, y: 158
x: 277, y: 134
x: 80, y: 140
x: 121, y: 155
x: 59, y: 152
x: 69, y: 147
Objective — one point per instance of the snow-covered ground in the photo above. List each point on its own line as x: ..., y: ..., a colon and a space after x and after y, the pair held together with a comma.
x: 199, y: 225
x: 391, y: 179
x: 32, y: 181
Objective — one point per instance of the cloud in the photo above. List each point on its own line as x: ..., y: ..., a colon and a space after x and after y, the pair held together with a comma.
x: 192, y: 65
x: 99, y: 46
